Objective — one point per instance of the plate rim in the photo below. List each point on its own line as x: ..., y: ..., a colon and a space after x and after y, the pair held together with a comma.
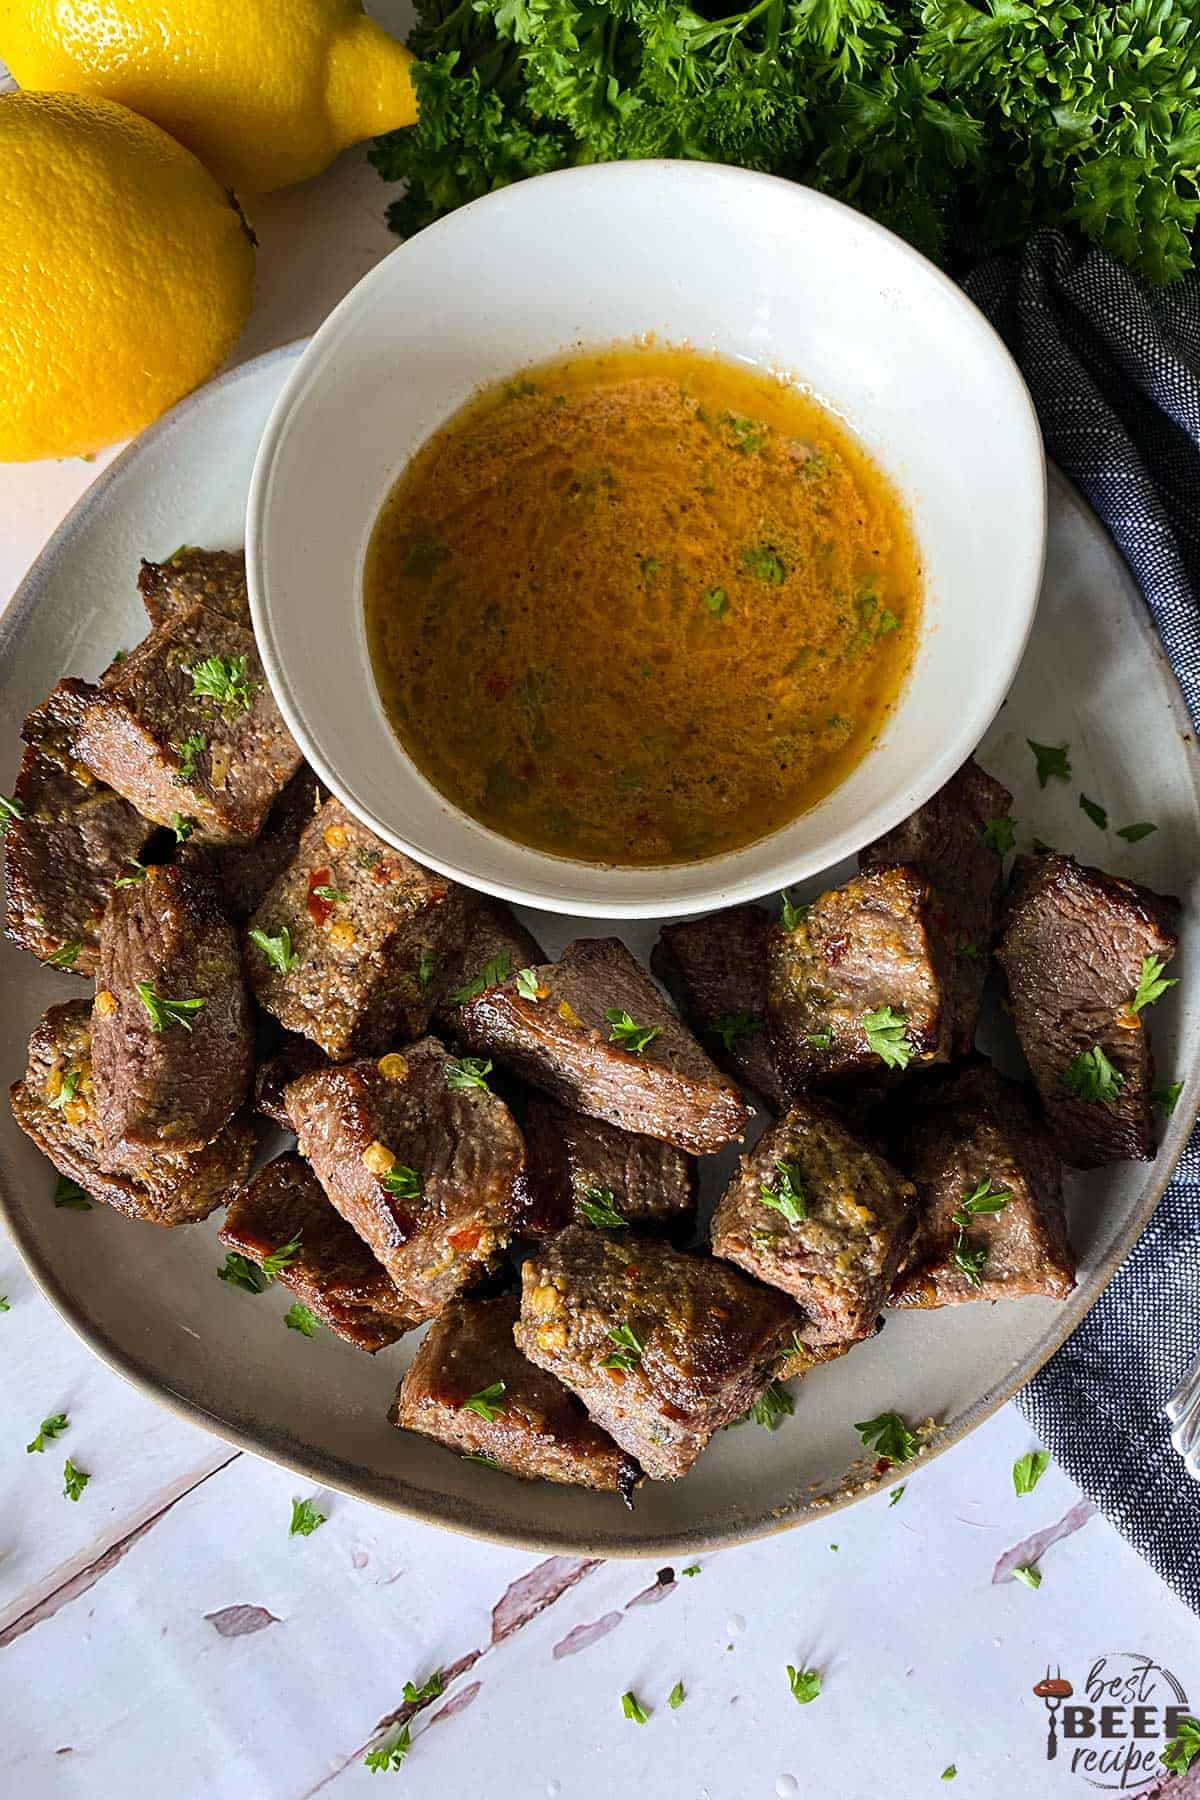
x: 394, y: 1494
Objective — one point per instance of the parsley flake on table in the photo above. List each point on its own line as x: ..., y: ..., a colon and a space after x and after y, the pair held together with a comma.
x: 305, y: 1519
x: 69, y: 1196
x: 488, y: 1402
x: 466, y: 1072
x: 692, y: 1569
x: 889, y: 1437
x: 791, y: 915
x: 10, y: 809
x: 784, y: 1194
x: 886, y: 1032
x: 1184, y: 1748
x: 164, y: 1012
x: 1028, y: 1470
x: 598, y: 1208
x: 1094, y: 811
x: 676, y: 1697
x: 1028, y: 1573
x: 999, y: 835
x: 731, y: 1026
x: 1092, y: 1076
x: 633, y: 1709
x: 1133, y: 834
x: 1166, y: 1097
x: 498, y: 969
x: 402, y: 1181
x: 390, y: 1755
x: 277, y: 950
x: 74, y: 1480
x: 804, y: 1683
x: 301, y: 1318
x: 896, y: 1495
x: 224, y: 679
x: 527, y: 985
x: 48, y: 1430
x: 632, y: 1037
x: 189, y: 754
x: 1053, y: 761
x: 64, y: 957
x: 1151, y: 985
x: 629, y: 1351
x: 428, y: 1690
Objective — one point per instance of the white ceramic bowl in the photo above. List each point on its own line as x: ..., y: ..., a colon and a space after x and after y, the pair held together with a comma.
x: 745, y: 265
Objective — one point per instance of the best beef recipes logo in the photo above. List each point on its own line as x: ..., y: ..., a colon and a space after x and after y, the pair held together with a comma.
x: 1115, y: 1728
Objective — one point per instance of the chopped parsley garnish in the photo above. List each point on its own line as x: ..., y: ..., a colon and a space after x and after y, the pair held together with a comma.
x: 66, y: 1092
x: 949, y: 1772
x: 488, y: 1402
x: 426, y: 968
x: 10, y: 809
x: 896, y: 1495
x: 240, y: 1272
x: 629, y: 1350
x: 466, y: 1072
x: 999, y: 835
x: 282, y: 1258
x: 1094, y: 811
x: 1166, y: 1097
x: 64, y: 957
x: 1151, y: 986
x: 165, y: 1012
x: 764, y: 562
x: 983, y: 1198
x: 731, y: 1026
x: 428, y: 1690
x: 1133, y: 834
x: 480, y: 1456
x: 48, y: 1430
x: 189, y: 754
x: 772, y: 1407
x: 302, y: 1319
x: 491, y: 975
x: 784, y: 1194
x: 598, y: 1208
x: 969, y: 1260
x: 139, y: 874
x: 791, y: 915
x: 889, y: 1437
x: 527, y: 985
x: 390, y: 1755
x: 745, y: 435
x: 1028, y: 1470
x: 633, y: 1709
x: 182, y: 826
x: 224, y: 679
x: 69, y: 1196
x: 305, y: 1519
x: 4, y: 1306
x: 332, y: 894
x: 1029, y: 1573
x: 692, y: 1569
x: 402, y: 1181
x: 676, y: 1697
x: 277, y: 950
x: 1053, y: 761
x: 886, y: 1033
x: 804, y: 1683
x: 1092, y: 1076
x: 74, y: 1480
x: 1183, y: 1749
x: 717, y: 601
x: 821, y: 1040
x: 631, y: 1037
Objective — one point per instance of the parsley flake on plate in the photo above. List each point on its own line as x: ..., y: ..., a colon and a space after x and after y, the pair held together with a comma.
x: 1151, y: 985
x: 889, y: 1437
x: 69, y: 1196
x: 1053, y: 761
x: 1133, y: 834
x: 1028, y: 1470
x: 302, y: 1319
x: 305, y: 1519
x: 1092, y: 1076
x: 999, y: 835
x: 466, y: 1072
x: 629, y: 1351
x: 598, y: 1208
x: 633, y: 1709
x: 74, y: 1480
x: 772, y: 1407
x: 277, y: 950
x: 1166, y: 1097
x: 886, y: 1032
x: 164, y: 1012
x: 390, y: 1755
x: 804, y: 1683
x: 630, y: 1036
x: 784, y: 1194
x: 488, y: 1402
x: 240, y: 1272
x: 1094, y: 811
x: 48, y: 1430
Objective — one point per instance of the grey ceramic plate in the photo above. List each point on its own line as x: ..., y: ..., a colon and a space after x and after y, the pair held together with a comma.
x: 147, y: 1300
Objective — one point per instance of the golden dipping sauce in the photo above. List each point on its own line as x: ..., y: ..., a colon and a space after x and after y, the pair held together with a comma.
x: 640, y: 606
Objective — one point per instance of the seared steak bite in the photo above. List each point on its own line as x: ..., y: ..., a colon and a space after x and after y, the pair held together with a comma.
x: 330, y: 1269
x: 186, y: 724
x: 580, y: 1170
x: 946, y: 841
x: 1075, y: 946
x: 55, y: 1106
x: 215, y: 578
x: 295, y: 1056
x: 422, y: 1159
x: 345, y: 945
x: 68, y: 839
x: 244, y: 873
x: 716, y: 969
x: 522, y: 1419
x: 595, y: 1033
x: 859, y: 986
x: 991, y: 1224
x: 172, y: 1031
x: 815, y: 1212
x: 494, y: 945
x: 663, y: 1348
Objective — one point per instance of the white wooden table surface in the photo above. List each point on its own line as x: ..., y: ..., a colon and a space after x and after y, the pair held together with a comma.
x: 124, y: 1670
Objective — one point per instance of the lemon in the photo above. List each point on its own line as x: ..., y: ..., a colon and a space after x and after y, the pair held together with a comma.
x: 265, y: 92
x: 126, y: 274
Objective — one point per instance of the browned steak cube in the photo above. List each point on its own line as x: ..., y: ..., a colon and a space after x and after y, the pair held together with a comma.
x: 68, y: 839
x: 580, y: 1170
x: 470, y: 1388
x: 1075, y: 948
x: 991, y: 1224
x: 345, y: 946
x: 55, y: 1106
x: 186, y: 724
x: 422, y: 1159
x: 294, y: 1057
x: 172, y: 1031
x: 215, y: 578
x: 663, y: 1348
x: 494, y: 945
x: 244, y: 873
x: 815, y: 1212
x: 716, y: 969
x: 947, y: 842
x: 597, y: 1034
x: 331, y: 1270
x: 859, y: 986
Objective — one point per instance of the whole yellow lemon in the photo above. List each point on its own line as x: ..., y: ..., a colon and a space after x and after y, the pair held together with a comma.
x: 126, y: 274
x: 265, y: 92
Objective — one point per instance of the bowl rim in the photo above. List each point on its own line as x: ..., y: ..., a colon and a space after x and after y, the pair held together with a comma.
x: 722, y: 888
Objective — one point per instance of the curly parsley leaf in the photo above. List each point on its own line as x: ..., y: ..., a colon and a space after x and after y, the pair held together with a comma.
x: 488, y: 1402
x: 598, y: 1207
x: 164, y: 1012
x: 305, y: 1519
x: 302, y: 1319
x: 629, y: 1351
x: 1053, y: 761
x: 74, y: 1480
x: 784, y: 1193
x: 1184, y: 1748
x: 886, y: 1032
x: 1151, y: 985
x: 277, y: 950
x: 224, y: 679
x: 631, y: 1037
x: 48, y: 1430
x: 240, y: 1272
x: 1092, y: 1076
x: 804, y: 1683
x: 391, y: 1755
x: 889, y: 1437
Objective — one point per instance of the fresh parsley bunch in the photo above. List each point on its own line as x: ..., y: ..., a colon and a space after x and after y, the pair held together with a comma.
x: 960, y: 124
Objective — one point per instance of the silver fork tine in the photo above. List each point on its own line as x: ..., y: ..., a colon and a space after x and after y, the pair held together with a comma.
x: 1183, y: 1411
